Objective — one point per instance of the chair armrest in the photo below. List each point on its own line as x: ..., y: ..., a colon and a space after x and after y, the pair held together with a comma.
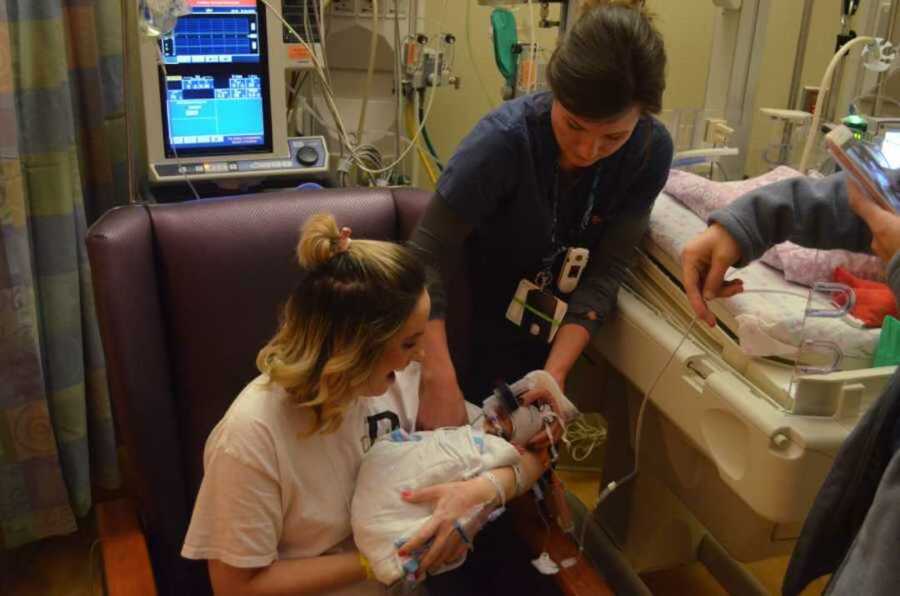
x: 582, y: 579
x: 126, y: 562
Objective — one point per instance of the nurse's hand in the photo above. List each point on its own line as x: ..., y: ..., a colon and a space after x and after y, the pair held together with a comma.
x: 884, y: 225
x: 538, y: 397
x: 704, y: 262
x: 452, y: 501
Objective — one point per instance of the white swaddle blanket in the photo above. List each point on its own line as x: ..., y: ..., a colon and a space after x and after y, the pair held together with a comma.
x: 381, y: 519
x: 399, y: 461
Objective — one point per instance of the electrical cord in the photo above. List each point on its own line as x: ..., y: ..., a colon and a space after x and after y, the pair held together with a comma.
x: 332, y: 106
x: 472, y: 60
x: 367, y: 89
x: 581, y: 438
x: 423, y: 157
x: 428, y: 143
x: 614, y: 485
x: 532, y: 80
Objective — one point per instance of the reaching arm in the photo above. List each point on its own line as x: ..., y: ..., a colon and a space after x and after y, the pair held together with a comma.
x: 811, y: 212
x: 807, y: 211
x: 438, y: 241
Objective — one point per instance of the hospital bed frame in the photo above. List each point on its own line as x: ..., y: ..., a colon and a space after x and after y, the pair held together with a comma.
x: 729, y: 462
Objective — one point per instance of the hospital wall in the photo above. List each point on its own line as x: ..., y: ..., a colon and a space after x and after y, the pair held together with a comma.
x: 782, y: 36
x: 686, y: 26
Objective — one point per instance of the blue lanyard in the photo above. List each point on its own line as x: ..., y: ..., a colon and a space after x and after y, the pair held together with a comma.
x: 559, y: 247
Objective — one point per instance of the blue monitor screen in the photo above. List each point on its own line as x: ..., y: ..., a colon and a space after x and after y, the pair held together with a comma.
x: 216, y: 32
x: 215, y: 111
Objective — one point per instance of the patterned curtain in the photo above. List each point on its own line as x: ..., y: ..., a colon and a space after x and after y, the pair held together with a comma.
x: 62, y: 163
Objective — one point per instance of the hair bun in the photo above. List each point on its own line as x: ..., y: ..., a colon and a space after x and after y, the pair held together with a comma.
x: 318, y: 240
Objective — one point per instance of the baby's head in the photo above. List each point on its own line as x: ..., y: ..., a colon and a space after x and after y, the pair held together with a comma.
x: 505, y: 418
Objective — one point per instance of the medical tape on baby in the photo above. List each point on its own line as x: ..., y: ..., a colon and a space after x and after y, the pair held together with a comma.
x: 462, y: 534
x: 517, y: 471
x: 536, y: 312
x: 501, y: 494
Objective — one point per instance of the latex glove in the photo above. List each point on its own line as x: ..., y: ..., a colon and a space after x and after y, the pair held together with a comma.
x: 704, y: 262
x: 540, y: 396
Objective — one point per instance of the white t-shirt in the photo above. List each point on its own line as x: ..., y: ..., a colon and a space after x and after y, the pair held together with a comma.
x: 270, y: 493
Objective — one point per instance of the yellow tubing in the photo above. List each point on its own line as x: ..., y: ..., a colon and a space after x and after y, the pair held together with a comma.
x: 423, y: 156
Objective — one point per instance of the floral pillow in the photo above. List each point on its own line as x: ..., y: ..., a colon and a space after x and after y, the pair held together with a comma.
x: 800, y: 265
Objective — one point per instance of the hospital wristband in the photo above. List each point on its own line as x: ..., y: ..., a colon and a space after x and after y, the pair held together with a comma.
x: 517, y: 471
x: 367, y: 567
x: 501, y: 494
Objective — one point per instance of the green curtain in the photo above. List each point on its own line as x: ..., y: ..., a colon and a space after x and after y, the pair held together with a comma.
x: 62, y: 164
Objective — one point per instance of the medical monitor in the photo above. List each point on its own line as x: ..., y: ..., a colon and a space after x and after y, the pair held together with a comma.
x: 215, y: 84
x: 215, y: 100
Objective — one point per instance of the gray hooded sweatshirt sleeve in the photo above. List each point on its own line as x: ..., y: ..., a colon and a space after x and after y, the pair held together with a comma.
x: 810, y: 212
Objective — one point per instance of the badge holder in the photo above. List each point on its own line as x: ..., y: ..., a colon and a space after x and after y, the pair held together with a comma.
x: 536, y: 310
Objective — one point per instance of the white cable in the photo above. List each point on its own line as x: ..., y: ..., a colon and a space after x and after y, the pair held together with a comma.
x: 582, y: 438
x: 532, y: 82
x: 332, y: 107
x: 472, y: 60
x: 614, y: 485
x: 320, y: 19
x: 373, y: 49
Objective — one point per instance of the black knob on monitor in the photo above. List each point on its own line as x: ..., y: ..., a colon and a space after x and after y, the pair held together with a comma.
x: 307, y: 156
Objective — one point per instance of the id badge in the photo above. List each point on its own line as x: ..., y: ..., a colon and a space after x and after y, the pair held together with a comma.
x: 570, y: 272
x: 538, y: 312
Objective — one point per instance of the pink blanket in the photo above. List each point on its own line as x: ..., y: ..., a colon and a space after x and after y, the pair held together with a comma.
x: 800, y: 265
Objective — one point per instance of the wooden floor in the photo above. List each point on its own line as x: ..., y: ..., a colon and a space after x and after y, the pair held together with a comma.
x: 60, y: 566
x: 691, y: 579
x: 66, y: 565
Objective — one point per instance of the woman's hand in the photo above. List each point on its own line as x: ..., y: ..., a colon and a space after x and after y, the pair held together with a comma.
x: 704, y: 262
x: 452, y: 501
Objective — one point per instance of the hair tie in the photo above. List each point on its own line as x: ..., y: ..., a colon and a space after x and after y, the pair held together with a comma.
x: 343, y: 241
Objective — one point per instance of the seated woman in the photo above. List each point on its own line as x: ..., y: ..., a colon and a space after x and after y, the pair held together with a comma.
x: 273, y: 512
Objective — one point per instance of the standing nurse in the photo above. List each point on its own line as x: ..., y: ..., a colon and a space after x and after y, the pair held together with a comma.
x: 576, y: 167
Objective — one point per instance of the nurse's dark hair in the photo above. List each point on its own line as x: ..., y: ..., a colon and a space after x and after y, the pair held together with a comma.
x: 611, y: 59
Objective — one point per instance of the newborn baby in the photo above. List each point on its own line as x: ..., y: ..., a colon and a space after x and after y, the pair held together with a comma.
x: 382, y: 521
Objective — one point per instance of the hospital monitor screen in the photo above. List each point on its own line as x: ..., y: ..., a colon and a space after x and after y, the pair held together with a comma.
x: 215, y: 87
x: 216, y: 32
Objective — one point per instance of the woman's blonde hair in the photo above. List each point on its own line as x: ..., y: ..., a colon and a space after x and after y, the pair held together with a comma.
x: 334, y: 327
